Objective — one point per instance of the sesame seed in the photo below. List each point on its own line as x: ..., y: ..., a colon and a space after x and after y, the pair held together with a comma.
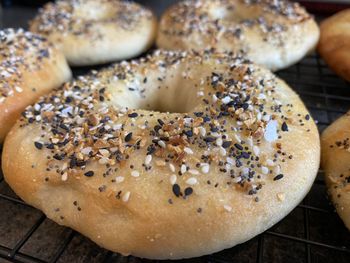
x: 284, y: 127
x: 161, y: 144
x: 126, y: 197
x: 172, y: 167
x: 183, y: 169
x: 230, y: 160
x: 38, y: 145
x: 245, y: 170
x: 266, y: 118
x: 209, y: 139
x: 238, y: 146
x: 135, y: 174
x: 200, y: 93
x: 188, y: 150
x: 237, y: 179
x: 222, y: 151
x: 128, y: 137
x: 226, y: 144
x: 191, y: 181
x: 64, y: 177
x: 219, y: 141
x: 119, y: 179
x: 176, y: 190
x: 133, y: 115
x: 269, y: 162
x: 238, y: 139
x: 188, y: 191
x: 117, y: 126
x: 160, y: 122
x: 148, y: 159
x: 189, y: 133
x: 89, y: 174
x: 103, y: 160
x: 256, y: 150
x: 202, y: 131
x: 278, y: 177
x: 193, y: 172
x: 104, y: 152
x: 226, y: 100
x: 264, y: 170
x: 205, y: 168
x: 173, y: 179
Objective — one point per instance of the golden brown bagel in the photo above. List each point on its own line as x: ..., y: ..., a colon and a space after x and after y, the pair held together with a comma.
x: 273, y: 33
x: 29, y: 67
x: 334, y: 45
x: 96, y: 31
x: 336, y: 164
x: 237, y: 152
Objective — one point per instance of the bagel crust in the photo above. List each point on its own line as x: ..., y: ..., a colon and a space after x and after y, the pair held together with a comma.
x: 236, y: 154
x: 334, y: 45
x: 273, y: 33
x: 29, y: 67
x: 336, y: 164
x: 94, y: 32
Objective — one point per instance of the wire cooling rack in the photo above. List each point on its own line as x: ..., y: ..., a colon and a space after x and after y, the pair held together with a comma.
x: 312, y: 232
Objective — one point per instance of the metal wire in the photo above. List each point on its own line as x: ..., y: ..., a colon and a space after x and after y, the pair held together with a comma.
x: 321, y: 91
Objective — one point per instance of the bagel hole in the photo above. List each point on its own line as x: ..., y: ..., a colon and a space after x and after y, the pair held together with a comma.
x: 231, y: 14
x: 177, y: 97
x: 94, y: 11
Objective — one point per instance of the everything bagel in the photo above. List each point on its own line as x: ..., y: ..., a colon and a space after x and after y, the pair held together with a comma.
x: 96, y: 31
x: 334, y: 45
x: 273, y: 33
x: 174, y: 155
x: 30, y: 66
x: 335, y: 162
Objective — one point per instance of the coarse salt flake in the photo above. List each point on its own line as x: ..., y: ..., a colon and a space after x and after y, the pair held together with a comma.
x: 126, y: 197
x: 270, y: 134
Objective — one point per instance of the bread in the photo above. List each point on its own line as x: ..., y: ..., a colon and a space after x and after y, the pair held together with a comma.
x: 336, y: 165
x: 273, y: 33
x: 171, y: 156
x: 94, y: 32
x: 29, y: 67
x: 334, y: 45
